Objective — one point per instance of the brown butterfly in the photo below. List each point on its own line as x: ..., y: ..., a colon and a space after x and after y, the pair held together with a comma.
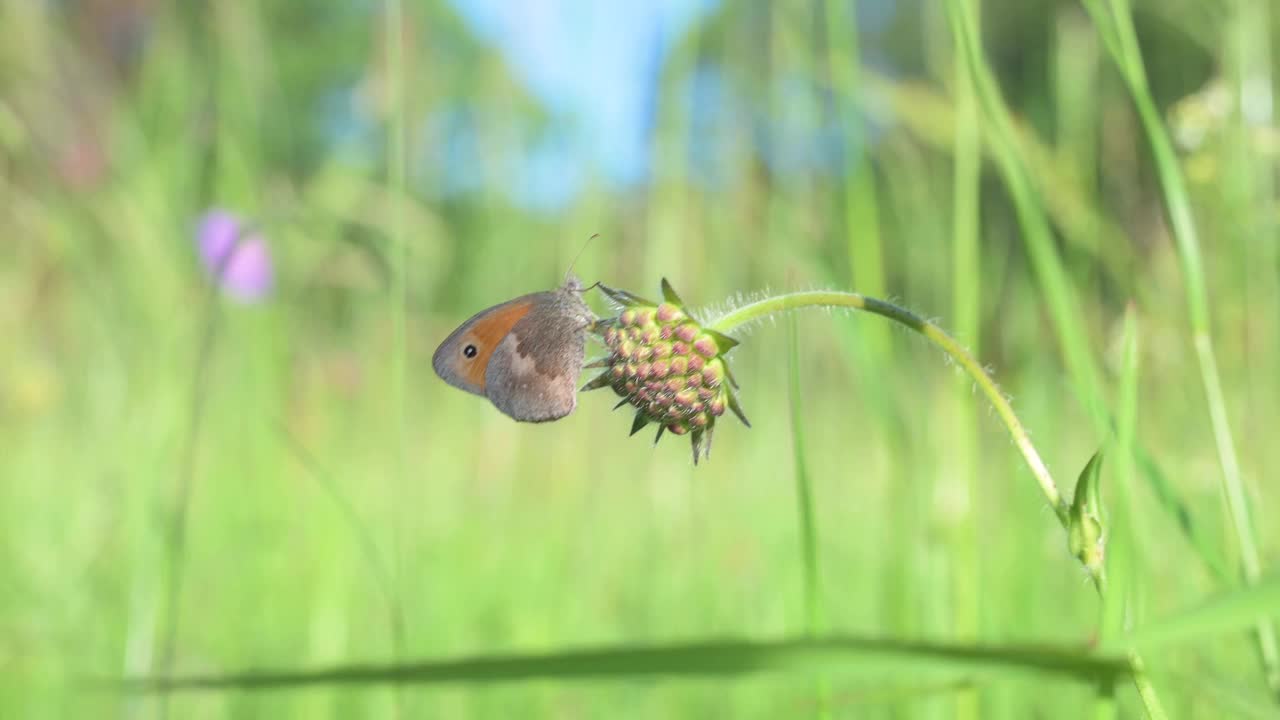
x: 525, y: 355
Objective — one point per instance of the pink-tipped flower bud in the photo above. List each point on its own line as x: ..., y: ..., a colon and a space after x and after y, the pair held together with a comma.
x: 713, y: 373
x: 705, y: 345
x: 666, y: 365
x: 687, y: 332
x: 668, y: 313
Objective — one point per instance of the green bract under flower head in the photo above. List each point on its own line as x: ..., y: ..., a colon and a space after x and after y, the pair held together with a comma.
x: 668, y: 366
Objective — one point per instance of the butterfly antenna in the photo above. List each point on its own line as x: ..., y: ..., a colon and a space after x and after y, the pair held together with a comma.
x: 581, y: 250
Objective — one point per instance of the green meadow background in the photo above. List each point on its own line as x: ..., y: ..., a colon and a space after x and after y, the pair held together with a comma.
x: 195, y: 486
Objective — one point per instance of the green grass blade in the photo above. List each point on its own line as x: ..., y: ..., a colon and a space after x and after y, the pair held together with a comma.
x: 1123, y: 551
x: 1063, y: 304
x: 1227, y: 612
x: 861, y: 201
x: 360, y: 530
x: 394, y: 30
x: 966, y: 299
x: 813, y: 615
x: 1121, y: 39
x: 1037, y: 233
x: 931, y: 119
x: 721, y: 658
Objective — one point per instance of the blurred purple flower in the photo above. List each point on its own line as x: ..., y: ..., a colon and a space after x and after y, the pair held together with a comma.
x: 235, y: 256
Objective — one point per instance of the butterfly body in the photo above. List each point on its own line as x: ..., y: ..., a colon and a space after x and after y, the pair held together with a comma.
x: 525, y: 355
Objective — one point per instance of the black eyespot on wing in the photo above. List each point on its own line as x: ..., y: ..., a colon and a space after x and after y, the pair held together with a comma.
x: 469, y: 351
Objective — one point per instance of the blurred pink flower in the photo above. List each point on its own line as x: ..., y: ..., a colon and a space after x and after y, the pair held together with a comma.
x: 235, y: 256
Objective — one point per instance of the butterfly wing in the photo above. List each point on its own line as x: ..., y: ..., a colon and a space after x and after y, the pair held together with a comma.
x: 463, y: 357
x: 533, y: 376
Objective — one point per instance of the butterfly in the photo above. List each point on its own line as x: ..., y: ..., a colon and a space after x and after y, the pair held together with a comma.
x: 525, y: 354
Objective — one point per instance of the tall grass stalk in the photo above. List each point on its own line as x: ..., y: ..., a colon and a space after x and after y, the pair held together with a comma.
x: 966, y: 272
x: 929, y: 116
x: 1038, y: 236
x: 813, y: 615
x: 181, y: 503
x: 861, y: 202
x: 397, y: 299
x: 1121, y: 540
x: 1037, y: 232
x: 382, y: 573
x: 1115, y: 25
x: 1123, y: 545
x: 811, y: 587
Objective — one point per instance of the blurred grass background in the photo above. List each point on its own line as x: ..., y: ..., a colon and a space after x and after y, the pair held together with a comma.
x: 345, y: 505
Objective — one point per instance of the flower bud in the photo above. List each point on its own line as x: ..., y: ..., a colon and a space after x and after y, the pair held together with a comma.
x: 669, y: 367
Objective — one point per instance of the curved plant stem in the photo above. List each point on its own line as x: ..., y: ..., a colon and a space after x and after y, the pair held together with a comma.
x: 830, y: 298
x: 935, y: 334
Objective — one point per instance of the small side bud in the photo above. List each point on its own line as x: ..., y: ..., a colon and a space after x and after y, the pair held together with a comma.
x: 1086, y: 534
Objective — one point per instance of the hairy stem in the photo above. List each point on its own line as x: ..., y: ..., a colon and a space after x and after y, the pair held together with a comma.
x: 935, y: 334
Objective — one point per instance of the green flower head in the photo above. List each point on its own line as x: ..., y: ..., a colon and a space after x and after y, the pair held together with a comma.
x: 663, y: 362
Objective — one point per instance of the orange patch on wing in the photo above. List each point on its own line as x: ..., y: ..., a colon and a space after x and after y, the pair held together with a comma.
x: 487, y: 333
